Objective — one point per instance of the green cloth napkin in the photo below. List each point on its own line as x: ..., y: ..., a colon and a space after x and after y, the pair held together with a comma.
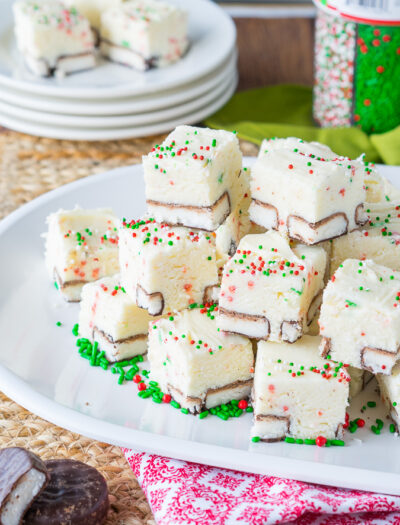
x: 286, y: 111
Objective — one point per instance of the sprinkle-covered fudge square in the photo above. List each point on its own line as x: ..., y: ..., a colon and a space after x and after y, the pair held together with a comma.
x: 360, y: 316
x: 109, y: 317
x: 166, y: 268
x: 270, y: 290
x: 92, y: 9
x: 192, y: 178
x: 199, y: 366
x: 144, y: 33
x: 53, y: 38
x: 81, y: 246
x: 309, y: 197
x: 389, y: 387
x: 297, y: 394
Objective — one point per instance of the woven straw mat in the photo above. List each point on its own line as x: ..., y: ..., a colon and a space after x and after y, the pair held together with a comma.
x: 30, y: 166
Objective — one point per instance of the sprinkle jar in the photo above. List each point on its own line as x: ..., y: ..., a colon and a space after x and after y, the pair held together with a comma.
x: 357, y: 64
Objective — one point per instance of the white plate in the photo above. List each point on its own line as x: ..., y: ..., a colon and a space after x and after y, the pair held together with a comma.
x: 40, y: 368
x: 120, y: 106
x: 80, y: 133
x: 105, y: 122
x: 212, y: 37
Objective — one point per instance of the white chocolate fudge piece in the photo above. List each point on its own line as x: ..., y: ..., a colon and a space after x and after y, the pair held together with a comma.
x: 53, y: 38
x: 166, y: 268
x: 310, y: 198
x: 389, y: 387
x: 382, y: 245
x: 360, y: 316
x: 237, y: 224
x: 81, y: 246
x: 199, y: 366
x: 359, y: 380
x: 111, y: 318
x: 92, y: 9
x: 298, y: 394
x: 270, y: 290
x: 383, y: 215
x: 193, y: 177
x: 144, y: 33
x: 374, y: 184
x: 297, y: 145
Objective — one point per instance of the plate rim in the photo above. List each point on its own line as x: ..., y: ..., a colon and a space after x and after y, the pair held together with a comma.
x: 93, y: 108
x: 243, y: 460
x: 120, y: 121
x: 90, y: 135
x: 129, y: 89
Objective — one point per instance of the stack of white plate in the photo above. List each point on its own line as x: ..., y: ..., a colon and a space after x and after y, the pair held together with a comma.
x: 115, y: 102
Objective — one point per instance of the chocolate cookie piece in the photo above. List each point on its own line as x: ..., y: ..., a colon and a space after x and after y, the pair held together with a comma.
x: 76, y: 494
x: 23, y: 475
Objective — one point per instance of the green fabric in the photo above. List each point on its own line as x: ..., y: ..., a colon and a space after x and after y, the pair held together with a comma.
x: 286, y: 111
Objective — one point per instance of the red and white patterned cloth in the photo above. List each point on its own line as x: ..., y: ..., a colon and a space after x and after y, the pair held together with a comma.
x: 183, y: 493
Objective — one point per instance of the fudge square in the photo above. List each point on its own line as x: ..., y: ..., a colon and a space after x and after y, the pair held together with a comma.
x: 389, y: 387
x: 310, y: 198
x: 53, y: 38
x: 166, y: 268
x: 81, y: 246
x: 144, y: 33
x: 192, y: 178
x: 270, y: 290
x: 199, y: 366
x: 360, y: 316
x: 297, y: 393
x: 111, y: 318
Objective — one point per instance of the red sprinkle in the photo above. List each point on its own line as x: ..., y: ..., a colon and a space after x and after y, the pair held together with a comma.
x: 142, y: 386
x: 320, y: 441
x: 360, y: 423
x: 137, y: 378
x: 243, y: 404
x: 166, y: 398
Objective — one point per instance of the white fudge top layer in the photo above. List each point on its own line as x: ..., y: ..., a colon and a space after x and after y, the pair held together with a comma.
x: 293, y: 380
x: 151, y: 28
x: 301, y: 185
x: 188, y: 352
x: 297, y: 145
x: 82, y: 245
x: 48, y: 30
x: 92, y: 9
x: 194, y: 166
x: 381, y: 244
x: 361, y: 308
x: 106, y: 306
x: 383, y: 215
x: 268, y: 277
x: 175, y: 261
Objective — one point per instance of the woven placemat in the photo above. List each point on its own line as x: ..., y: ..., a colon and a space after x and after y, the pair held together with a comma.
x: 30, y: 166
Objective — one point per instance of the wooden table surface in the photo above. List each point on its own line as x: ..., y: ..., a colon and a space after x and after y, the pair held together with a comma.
x: 275, y: 51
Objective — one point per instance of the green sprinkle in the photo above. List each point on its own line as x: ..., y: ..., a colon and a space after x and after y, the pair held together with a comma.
x: 375, y: 430
x: 379, y: 423
x: 58, y: 323
x: 337, y: 442
x: 309, y: 441
x: 255, y: 439
x: 204, y: 414
x: 392, y: 428
x: 184, y: 411
x: 371, y: 404
x: 56, y: 285
x: 175, y: 404
x: 290, y: 440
